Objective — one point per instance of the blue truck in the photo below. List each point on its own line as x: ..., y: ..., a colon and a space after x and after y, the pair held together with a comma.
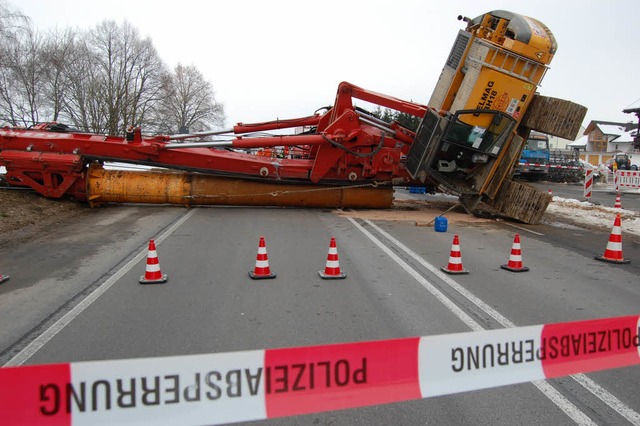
x: 534, y: 161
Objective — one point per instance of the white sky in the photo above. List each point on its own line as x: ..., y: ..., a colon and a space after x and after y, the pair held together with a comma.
x: 271, y: 59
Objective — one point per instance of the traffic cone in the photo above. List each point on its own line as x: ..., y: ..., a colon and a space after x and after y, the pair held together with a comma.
x: 332, y: 267
x: 262, y: 270
x: 152, y: 274
x: 4, y: 278
x: 515, y: 258
x: 550, y: 192
x: 618, y: 203
x: 613, y: 252
x: 455, y: 259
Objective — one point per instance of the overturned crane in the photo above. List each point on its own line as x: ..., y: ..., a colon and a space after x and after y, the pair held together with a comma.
x: 467, y: 143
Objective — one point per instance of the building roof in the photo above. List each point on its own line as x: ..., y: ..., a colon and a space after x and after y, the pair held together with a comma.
x: 579, y: 142
x: 625, y: 137
x: 610, y: 127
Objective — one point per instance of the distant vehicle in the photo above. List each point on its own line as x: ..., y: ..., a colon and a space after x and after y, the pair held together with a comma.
x: 534, y: 161
x: 623, y: 161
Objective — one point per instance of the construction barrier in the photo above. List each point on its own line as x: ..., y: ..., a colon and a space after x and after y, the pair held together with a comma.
x: 627, y: 179
x: 264, y: 384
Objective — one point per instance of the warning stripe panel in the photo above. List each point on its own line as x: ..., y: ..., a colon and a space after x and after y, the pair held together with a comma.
x: 252, y: 385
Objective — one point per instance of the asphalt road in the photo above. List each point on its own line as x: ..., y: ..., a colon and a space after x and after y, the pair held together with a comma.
x: 210, y: 305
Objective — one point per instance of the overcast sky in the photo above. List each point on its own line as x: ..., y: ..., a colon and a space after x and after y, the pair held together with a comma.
x: 269, y: 59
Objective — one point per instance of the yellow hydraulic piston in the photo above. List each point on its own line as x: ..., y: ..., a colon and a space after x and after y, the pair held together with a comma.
x: 175, y: 187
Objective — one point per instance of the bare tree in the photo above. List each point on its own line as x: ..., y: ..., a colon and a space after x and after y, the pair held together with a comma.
x: 143, y: 84
x: 59, y: 52
x: 28, y: 72
x: 188, y: 103
x: 102, y: 80
x: 130, y: 74
x: 18, y: 75
x: 81, y: 104
x: 31, y: 70
x: 12, y: 23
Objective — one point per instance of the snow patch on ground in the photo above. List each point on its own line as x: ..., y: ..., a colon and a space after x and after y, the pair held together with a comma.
x: 586, y: 213
x: 443, y: 196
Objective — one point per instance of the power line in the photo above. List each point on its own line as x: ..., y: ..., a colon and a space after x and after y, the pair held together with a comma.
x: 632, y: 103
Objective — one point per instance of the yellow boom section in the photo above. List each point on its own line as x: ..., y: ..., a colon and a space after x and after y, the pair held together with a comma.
x: 171, y: 187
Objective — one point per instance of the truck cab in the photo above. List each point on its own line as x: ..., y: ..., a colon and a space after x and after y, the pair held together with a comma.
x: 534, y: 161
x: 623, y: 161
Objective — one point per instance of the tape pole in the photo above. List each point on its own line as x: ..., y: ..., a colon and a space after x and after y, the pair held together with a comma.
x: 262, y: 384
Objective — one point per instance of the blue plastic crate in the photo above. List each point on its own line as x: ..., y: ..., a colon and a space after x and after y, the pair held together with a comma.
x: 417, y: 190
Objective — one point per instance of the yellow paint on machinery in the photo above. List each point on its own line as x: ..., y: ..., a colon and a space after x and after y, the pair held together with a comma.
x: 172, y: 187
x: 505, y: 58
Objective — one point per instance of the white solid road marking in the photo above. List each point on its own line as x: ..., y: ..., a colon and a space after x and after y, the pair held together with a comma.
x: 564, y: 404
x: 48, y: 334
x: 609, y: 399
x: 550, y: 392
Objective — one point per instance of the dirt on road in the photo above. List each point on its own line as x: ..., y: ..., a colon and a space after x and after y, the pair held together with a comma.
x: 421, y: 212
x: 24, y: 213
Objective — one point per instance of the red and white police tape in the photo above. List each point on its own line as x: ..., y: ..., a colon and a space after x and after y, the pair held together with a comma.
x: 551, y: 166
x: 264, y: 384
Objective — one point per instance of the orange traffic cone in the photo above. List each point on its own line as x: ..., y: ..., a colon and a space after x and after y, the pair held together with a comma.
x: 455, y: 259
x: 152, y: 274
x: 262, y: 270
x: 332, y: 267
x: 618, y: 203
x: 515, y: 258
x: 4, y: 278
x: 613, y: 252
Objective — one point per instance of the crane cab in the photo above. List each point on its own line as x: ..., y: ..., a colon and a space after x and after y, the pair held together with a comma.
x: 488, y: 81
